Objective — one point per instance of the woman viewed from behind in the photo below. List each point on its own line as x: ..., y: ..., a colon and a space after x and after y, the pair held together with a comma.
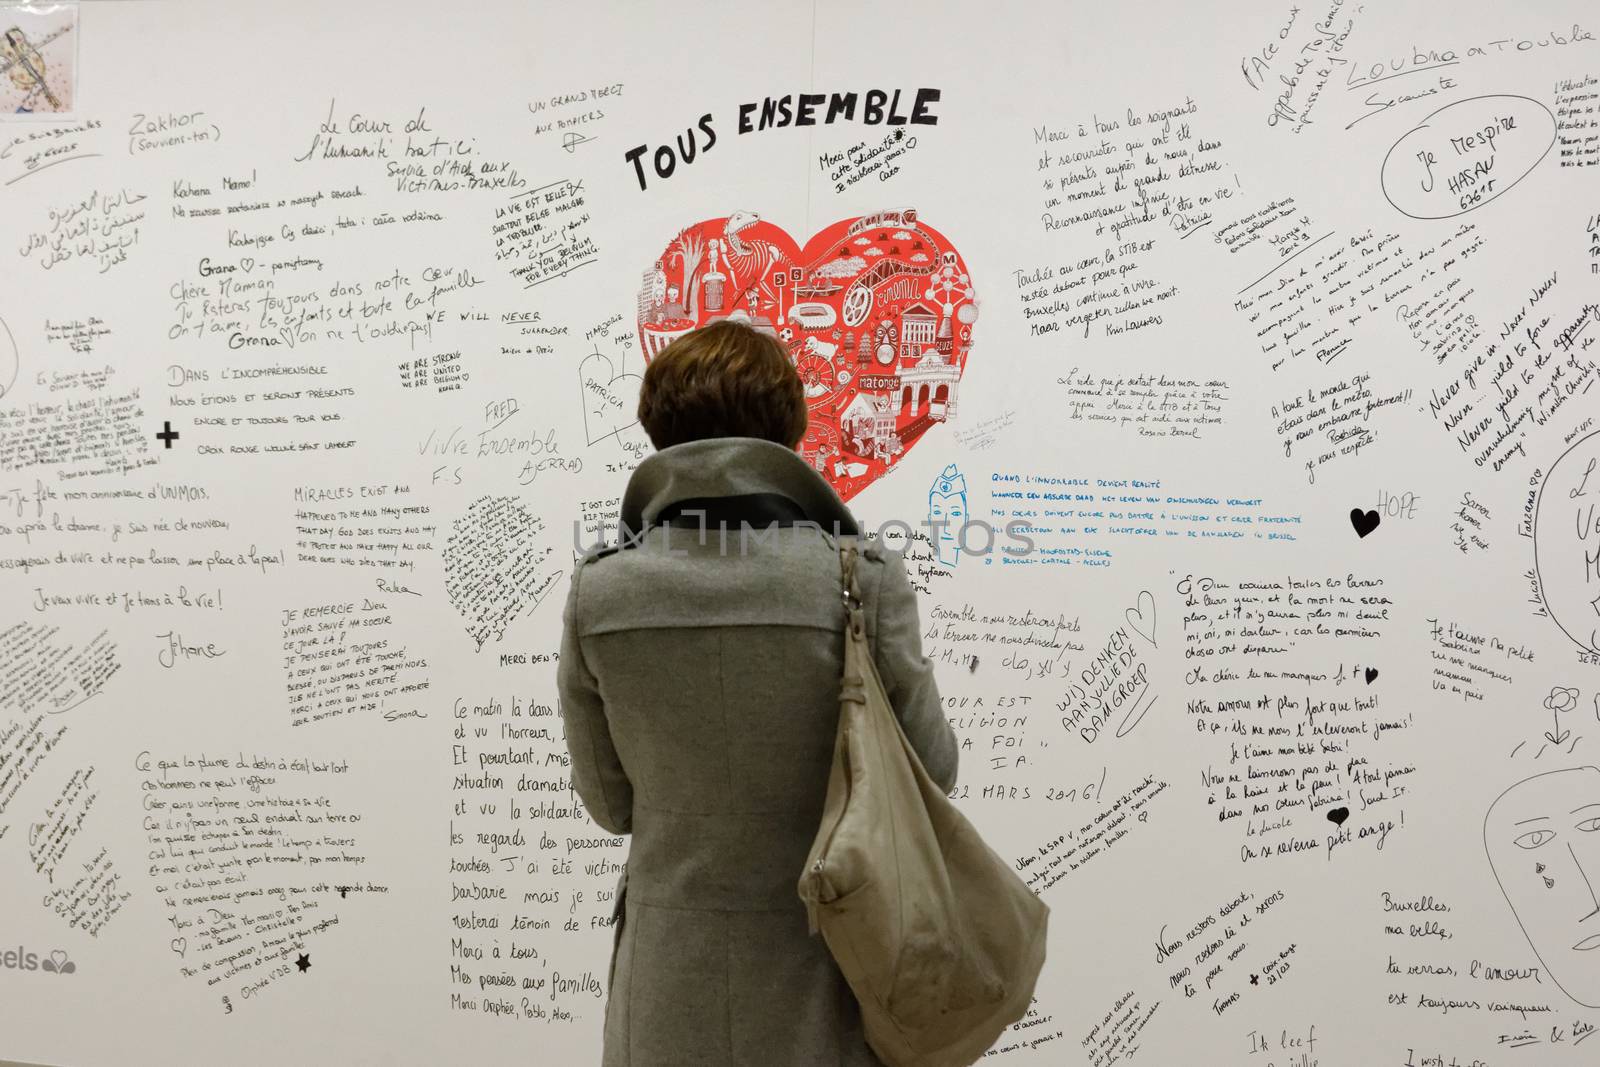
x: 699, y: 680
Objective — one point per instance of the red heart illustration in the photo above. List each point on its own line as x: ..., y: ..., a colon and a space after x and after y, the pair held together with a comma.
x: 876, y: 312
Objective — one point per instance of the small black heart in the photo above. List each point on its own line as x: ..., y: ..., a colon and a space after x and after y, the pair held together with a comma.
x: 1364, y: 521
x: 1337, y: 816
x: 1372, y: 675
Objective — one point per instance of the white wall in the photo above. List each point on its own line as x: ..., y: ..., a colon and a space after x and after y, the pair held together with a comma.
x: 1248, y: 726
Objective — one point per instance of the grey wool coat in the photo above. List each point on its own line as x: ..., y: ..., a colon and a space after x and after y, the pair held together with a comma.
x: 699, y: 689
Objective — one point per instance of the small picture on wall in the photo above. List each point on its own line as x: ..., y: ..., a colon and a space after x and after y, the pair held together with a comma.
x: 38, y: 59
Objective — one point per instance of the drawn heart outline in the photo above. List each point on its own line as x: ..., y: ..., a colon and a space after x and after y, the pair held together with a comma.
x: 492, y: 571
x: 876, y: 313
x: 1337, y: 816
x: 1364, y: 521
x: 1144, y: 610
x: 608, y: 408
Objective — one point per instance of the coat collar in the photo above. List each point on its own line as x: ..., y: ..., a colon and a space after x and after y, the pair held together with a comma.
x: 748, y: 467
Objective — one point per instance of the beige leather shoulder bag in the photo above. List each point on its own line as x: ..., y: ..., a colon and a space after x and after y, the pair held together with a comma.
x: 941, y: 941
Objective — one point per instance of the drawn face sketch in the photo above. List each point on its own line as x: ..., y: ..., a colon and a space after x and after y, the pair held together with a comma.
x: 947, y: 513
x: 1543, y: 840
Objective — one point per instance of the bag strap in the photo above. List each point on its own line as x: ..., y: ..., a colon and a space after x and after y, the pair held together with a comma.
x: 852, y: 684
x: 849, y: 554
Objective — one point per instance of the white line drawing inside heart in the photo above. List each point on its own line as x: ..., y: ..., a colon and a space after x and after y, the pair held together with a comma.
x: 875, y: 311
x: 610, y: 397
x: 1145, y: 613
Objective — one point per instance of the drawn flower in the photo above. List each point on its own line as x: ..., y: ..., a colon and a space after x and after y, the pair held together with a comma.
x: 1561, y: 699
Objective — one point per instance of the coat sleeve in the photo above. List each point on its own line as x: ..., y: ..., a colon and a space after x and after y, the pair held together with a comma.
x: 597, y: 772
x: 908, y: 675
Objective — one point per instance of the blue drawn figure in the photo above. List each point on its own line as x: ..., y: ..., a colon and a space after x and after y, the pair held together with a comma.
x: 1543, y: 840
x: 947, y: 513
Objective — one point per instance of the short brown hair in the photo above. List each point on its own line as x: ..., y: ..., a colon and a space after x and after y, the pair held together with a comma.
x: 726, y: 379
